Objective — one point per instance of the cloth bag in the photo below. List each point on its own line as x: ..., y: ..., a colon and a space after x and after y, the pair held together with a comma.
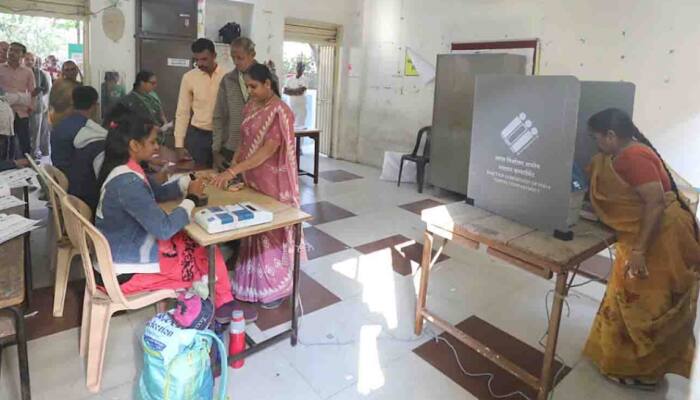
x: 176, y: 362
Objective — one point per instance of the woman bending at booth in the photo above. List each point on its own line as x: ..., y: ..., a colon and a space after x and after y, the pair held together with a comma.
x: 644, y: 326
x: 267, y: 160
x: 149, y: 249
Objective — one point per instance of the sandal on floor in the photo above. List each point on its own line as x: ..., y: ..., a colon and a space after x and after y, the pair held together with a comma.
x: 223, y: 313
x: 634, y: 383
x: 272, y: 305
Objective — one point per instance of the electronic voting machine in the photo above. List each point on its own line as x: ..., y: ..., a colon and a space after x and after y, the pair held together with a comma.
x: 230, y: 217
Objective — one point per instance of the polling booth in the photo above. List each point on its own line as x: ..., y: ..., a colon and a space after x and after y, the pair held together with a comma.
x: 530, y: 145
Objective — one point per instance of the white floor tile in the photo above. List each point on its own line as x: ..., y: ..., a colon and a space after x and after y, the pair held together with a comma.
x: 366, y: 228
x: 407, y: 378
x: 268, y: 375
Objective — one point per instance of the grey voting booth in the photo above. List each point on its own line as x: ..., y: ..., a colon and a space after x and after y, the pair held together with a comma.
x: 527, y: 132
x: 452, y: 112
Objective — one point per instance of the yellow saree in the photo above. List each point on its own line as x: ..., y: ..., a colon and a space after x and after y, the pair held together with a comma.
x: 644, y: 327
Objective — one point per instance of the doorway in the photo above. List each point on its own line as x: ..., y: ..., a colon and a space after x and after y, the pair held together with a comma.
x: 46, y: 36
x: 310, y: 46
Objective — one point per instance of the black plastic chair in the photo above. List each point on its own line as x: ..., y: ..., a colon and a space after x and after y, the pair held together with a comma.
x: 420, y: 160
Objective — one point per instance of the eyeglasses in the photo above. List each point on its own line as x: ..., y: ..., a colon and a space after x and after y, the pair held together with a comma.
x: 153, y: 82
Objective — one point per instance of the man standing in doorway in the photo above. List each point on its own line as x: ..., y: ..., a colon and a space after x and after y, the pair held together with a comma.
x: 296, y: 90
x: 4, y: 48
x: 61, y: 96
x: 40, y: 140
x: 232, y: 97
x: 198, y: 91
x: 16, y: 78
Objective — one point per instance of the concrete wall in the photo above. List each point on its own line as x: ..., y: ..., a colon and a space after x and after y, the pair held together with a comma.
x: 648, y: 42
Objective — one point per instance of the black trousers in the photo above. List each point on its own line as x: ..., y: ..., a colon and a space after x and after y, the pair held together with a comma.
x: 198, y: 144
x: 23, y: 137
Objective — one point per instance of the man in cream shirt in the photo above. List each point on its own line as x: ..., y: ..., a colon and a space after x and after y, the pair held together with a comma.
x: 198, y: 91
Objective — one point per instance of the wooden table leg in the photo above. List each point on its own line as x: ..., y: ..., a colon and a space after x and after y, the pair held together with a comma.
x: 546, y: 380
x: 317, y: 150
x: 295, y: 283
x: 424, y: 271
x: 298, y: 139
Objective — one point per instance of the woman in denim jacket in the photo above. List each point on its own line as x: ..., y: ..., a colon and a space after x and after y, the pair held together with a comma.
x: 149, y: 249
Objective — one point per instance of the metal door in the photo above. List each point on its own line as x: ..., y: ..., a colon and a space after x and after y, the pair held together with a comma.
x: 324, y: 102
x: 169, y: 60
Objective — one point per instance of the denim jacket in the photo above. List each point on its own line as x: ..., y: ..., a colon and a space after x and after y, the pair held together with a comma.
x: 129, y: 217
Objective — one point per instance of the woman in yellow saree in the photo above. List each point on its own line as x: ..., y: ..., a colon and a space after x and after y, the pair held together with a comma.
x: 644, y: 326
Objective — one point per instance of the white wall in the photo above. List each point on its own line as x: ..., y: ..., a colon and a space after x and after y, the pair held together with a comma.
x: 107, y: 55
x: 648, y: 42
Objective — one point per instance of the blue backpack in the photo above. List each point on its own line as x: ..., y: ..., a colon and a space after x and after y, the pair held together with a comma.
x: 176, y: 362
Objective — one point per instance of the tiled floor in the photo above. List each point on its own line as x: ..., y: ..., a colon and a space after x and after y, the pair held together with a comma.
x: 358, y: 296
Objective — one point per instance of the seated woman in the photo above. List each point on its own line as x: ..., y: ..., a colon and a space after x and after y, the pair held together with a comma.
x: 150, y: 250
x: 644, y: 326
x: 143, y: 99
x: 267, y: 160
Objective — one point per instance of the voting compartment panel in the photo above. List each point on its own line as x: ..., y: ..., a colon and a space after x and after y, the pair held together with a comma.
x: 523, y: 138
x: 597, y: 96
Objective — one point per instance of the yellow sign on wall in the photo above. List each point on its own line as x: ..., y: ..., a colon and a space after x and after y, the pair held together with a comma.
x: 410, y: 69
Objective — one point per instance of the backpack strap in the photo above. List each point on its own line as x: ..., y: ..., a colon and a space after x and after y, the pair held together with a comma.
x: 223, y: 382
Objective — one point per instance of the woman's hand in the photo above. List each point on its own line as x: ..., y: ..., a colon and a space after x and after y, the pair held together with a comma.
x: 196, y: 187
x: 222, y: 180
x: 637, y: 266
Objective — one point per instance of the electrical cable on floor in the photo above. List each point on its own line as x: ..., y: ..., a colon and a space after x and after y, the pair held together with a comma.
x: 438, y: 339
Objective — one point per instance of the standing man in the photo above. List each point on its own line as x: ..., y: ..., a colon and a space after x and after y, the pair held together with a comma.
x: 16, y: 78
x: 61, y: 95
x: 40, y: 143
x: 232, y: 97
x: 4, y: 48
x: 198, y: 91
x: 296, y: 90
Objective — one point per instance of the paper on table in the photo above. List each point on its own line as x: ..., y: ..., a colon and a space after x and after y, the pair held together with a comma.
x: 13, y: 225
x: 167, y: 126
x: 174, y: 177
x: 10, y: 202
x: 16, y: 178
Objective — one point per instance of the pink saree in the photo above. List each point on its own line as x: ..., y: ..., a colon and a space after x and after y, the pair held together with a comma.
x: 266, y: 261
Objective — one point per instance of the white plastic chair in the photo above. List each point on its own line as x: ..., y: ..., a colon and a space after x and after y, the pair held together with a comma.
x: 57, y: 185
x: 99, y: 306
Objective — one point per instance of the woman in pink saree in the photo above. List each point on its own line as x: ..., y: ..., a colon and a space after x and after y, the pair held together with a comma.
x: 267, y: 160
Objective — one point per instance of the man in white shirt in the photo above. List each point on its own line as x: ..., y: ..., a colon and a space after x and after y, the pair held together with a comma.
x: 295, y: 88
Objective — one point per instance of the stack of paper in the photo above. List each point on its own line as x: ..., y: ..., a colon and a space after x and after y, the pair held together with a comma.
x: 16, y: 178
x: 10, y: 202
x: 13, y: 225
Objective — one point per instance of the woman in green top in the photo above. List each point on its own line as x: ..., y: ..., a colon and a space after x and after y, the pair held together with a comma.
x: 143, y: 100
